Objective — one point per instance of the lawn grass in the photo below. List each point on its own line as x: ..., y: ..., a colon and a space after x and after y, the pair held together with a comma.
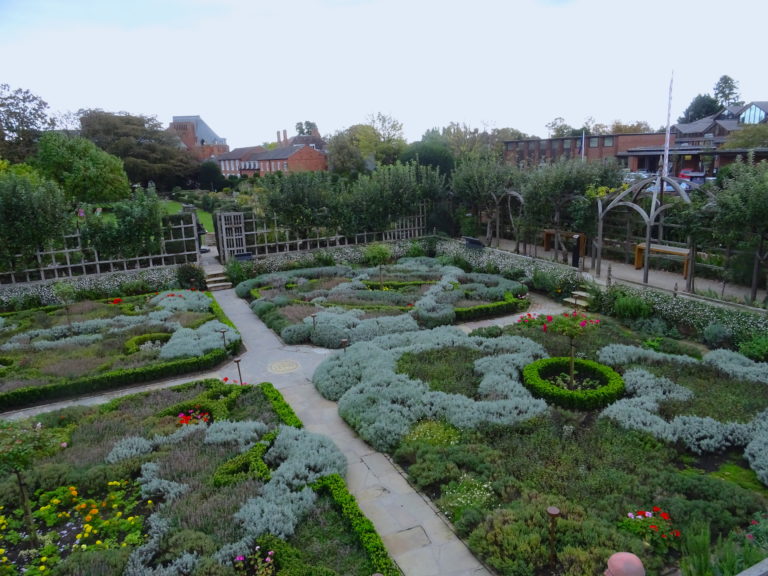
x: 205, y: 218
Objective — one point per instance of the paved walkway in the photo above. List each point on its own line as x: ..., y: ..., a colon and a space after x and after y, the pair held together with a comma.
x: 417, y: 537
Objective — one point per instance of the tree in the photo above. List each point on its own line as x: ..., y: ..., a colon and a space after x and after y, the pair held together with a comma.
x: 742, y: 208
x: 352, y: 152
x: 306, y: 128
x: 23, y: 117
x: 85, y: 172
x: 750, y: 136
x: 481, y: 182
x: 700, y: 107
x: 433, y: 152
x: 20, y: 446
x: 150, y: 153
x: 726, y: 91
x: 637, y: 127
x: 209, y: 176
x: 33, y: 213
x: 391, y: 142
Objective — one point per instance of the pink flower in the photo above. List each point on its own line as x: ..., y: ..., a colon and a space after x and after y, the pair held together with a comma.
x: 750, y: 537
x: 63, y: 444
x: 583, y: 323
x: 549, y: 318
x: 240, y: 559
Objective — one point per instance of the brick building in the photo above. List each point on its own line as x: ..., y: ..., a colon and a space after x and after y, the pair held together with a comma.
x: 696, y: 145
x: 197, y: 137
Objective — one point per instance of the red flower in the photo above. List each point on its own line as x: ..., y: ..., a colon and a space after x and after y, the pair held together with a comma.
x: 544, y: 327
x: 225, y: 379
x: 656, y: 509
x: 665, y: 516
x: 654, y: 527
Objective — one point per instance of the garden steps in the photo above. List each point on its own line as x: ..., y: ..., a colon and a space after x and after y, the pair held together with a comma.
x: 217, y: 281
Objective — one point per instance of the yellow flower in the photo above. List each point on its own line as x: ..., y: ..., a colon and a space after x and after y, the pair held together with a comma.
x: 79, y: 536
x: 98, y: 542
x: 83, y: 547
x: 2, y: 550
x: 41, y: 568
x: 44, y: 559
x: 55, y: 501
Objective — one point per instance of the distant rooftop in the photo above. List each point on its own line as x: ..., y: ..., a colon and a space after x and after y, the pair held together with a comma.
x: 202, y: 130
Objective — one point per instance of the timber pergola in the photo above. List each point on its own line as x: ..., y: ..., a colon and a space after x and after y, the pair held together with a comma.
x: 629, y: 198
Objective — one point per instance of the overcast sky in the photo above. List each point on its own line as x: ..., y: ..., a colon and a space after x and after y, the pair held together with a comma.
x: 252, y: 67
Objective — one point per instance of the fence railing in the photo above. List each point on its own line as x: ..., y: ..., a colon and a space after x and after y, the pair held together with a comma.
x: 179, y: 245
x: 244, y: 235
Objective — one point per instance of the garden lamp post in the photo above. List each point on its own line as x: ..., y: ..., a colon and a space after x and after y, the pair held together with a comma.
x: 344, y: 343
x: 239, y: 374
x: 554, y: 514
x: 223, y: 332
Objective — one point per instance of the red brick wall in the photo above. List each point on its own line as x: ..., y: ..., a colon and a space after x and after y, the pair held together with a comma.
x: 307, y: 160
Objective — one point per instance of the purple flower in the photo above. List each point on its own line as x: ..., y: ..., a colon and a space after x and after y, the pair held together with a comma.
x: 240, y: 559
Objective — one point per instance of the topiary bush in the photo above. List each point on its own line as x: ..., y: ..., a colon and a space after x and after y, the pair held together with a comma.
x: 538, y: 377
x: 191, y: 276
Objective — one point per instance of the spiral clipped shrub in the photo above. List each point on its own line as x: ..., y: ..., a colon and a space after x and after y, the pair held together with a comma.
x: 538, y: 376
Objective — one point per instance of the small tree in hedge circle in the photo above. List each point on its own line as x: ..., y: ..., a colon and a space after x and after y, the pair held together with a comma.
x: 569, y: 324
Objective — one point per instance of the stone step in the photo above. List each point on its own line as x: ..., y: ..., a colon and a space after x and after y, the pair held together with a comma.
x: 213, y: 286
x: 580, y: 294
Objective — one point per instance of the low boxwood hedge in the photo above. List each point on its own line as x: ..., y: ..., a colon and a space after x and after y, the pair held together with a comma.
x: 536, y: 374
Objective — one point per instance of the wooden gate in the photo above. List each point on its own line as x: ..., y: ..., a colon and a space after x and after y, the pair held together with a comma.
x: 231, y: 234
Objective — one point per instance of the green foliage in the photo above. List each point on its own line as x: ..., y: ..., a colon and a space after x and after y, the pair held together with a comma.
x: 538, y: 378
x: 756, y: 348
x: 631, y: 308
x: 191, y: 277
x: 85, y: 172
x: 717, y: 335
x: 32, y: 212
x: 377, y: 254
x: 280, y: 406
x: 369, y: 539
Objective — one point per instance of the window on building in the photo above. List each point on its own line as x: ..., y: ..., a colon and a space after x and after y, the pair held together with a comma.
x: 567, y: 144
x: 752, y: 115
x: 542, y: 145
x: 593, y: 142
x: 608, y: 141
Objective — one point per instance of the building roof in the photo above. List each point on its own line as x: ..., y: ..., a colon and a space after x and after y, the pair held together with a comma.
x: 278, y: 153
x: 240, y: 153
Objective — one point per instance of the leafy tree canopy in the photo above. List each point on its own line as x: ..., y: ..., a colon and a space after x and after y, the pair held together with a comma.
x: 33, y: 212
x: 149, y: 152
x: 750, y: 136
x: 23, y: 116
x: 432, y: 152
x: 305, y: 128
x: 84, y: 171
x: 700, y: 107
x: 726, y: 91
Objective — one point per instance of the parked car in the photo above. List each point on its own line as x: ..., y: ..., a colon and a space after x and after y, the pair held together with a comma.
x: 690, y: 174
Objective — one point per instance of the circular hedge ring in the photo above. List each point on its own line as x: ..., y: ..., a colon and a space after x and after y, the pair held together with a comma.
x: 536, y: 377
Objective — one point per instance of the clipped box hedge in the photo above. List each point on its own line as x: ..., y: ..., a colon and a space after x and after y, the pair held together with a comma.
x: 536, y: 374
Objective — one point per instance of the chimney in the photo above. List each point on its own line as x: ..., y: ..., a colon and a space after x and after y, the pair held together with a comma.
x: 285, y: 136
x: 278, y: 136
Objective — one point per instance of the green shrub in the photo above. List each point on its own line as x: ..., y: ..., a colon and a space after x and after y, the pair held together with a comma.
x: 537, y: 375
x: 717, y: 335
x: 132, y: 345
x: 191, y: 277
x: 631, y: 308
x: 756, y: 349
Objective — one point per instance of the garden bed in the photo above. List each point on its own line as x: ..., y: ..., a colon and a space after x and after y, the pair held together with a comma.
x: 200, y: 479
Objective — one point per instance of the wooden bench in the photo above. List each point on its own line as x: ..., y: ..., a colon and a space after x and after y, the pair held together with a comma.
x: 474, y: 243
x: 675, y: 251
x: 578, y: 299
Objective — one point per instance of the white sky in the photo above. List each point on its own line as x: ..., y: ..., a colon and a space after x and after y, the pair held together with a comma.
x: 252, y: 67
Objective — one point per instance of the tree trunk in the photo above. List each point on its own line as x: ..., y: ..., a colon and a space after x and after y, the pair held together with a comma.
x: 28, y: 521
x: 572, y: 367
x: 756, y: 271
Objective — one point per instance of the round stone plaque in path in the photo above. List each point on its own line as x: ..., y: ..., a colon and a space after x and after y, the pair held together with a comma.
x: 283, y: 366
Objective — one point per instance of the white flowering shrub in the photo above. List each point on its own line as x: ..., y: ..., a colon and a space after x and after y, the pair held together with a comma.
x: 105, y: 285
x: 188, y: 342
x: 737, y: 365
